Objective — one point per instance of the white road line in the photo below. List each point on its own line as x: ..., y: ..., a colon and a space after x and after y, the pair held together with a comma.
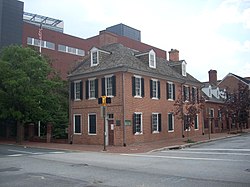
x: 16, y: 155
x: 26, y: 152
x: 206, y: 153
x: 57, y: 152
x: 243, y: 150
x: 184, y: 158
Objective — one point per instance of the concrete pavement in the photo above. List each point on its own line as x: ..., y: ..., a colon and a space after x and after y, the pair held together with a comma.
x: 134, y: 148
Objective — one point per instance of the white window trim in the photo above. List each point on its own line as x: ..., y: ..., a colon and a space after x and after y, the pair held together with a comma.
x: 184, y: 68
x: 138, y: 96
x: 172, y: 94
x: 91, y: 79
x: 172, y: 122
x: 157, y: 131
x: 108, y: 76
x: 139, y: 133
x: 151, y: 52
x: 91, y: 134
x: 74, y: 124
x: 93, y: 50
x: 157, y: 94
x: 197, y: 123
x: 75, y: 82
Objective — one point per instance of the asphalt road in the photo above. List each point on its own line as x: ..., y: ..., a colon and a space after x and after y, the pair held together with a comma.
x: 220, y: 163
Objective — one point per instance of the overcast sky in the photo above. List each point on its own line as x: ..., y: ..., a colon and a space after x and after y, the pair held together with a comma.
x: 210, y: 34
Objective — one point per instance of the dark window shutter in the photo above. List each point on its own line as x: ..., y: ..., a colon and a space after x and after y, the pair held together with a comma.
x: 167, y: 94
x: 87, y: 88
x: 152, y: 128
x: 159, y: 89
x: 96, y: 88
x: 169, y: 122
x: 189, y: 94
x: 142, y: 87
x: 103, y: 86
x: 81, y: 94
x: 173, y: 91
x: 72, y: 90
x: 151, y: 88
x: 133, y: 86
x: 134, y: 125
x: 114, y: 86
x: 159, y: 120
x: 184, y: 93
x: 197, y: 92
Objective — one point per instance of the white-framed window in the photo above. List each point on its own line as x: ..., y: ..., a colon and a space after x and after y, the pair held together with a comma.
x: 170, y: 91
x: 196, y: 122
x: 77, y: 121
x: 109, y: 86
x: 170, y: 122
x: 92, y: 87
x: 154, y: 89
x: 152, y: 59
x: 71, y: 50
x: 92, y: 124
x: 156, y: 122
x: 77, y: 90
x: 186, y: 93
x: 137, y: 123
x: 44, y: 44
x: 137, y: 86
x: 94, y: 57
x: 211, y: 113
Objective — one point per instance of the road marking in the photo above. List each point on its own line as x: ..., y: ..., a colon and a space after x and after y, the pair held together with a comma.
x: 206, y: 153
x: 18, y: 151
x: 57, y: 152
x: 243, y: 150
x: 16, y: 155
x: 184, y: 158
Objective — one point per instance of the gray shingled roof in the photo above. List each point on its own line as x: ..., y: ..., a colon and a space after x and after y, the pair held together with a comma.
x: 124, y: 57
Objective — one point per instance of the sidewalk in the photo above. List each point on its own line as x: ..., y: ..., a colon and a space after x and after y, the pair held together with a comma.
x: 135, y: 148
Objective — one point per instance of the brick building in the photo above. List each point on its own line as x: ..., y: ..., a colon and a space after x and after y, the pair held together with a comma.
x: 143, y: 88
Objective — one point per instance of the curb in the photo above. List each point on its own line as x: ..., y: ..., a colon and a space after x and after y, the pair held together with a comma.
x: 192, y: 144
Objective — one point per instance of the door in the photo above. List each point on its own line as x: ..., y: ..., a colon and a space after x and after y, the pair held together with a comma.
x: 111, y: 132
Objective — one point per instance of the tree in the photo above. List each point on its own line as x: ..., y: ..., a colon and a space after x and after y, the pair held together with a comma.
x: 237, y: 105
x: 29, y: 89
x: 187, y: 110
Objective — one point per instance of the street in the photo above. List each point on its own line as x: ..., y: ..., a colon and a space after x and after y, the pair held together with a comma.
x: 219, y: 163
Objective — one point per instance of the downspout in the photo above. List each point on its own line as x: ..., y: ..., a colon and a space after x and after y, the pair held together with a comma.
x: 124, y: 112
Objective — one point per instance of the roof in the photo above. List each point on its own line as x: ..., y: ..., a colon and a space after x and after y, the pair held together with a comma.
x: 123, y: 57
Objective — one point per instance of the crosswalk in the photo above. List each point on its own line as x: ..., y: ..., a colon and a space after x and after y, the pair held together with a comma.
x: 18, y: 153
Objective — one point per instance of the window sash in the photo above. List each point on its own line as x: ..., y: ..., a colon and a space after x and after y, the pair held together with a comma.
x: 155, y: 122
x: 154, y: 89
x: 138, y: 123
x: 77, y: 124
x: 91, y: 88
x: 77, y: 91
x: 94, y: 58
x: 137, y: 86
x: 92, y: 124
x: 170, y: 122
x: 108, y: 86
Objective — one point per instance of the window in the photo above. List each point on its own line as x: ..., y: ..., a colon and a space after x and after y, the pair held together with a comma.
x: 137, y: 86
x: 186, y: 122
x: 94, y: 56
x: 44, y: 44
x: 170, y: 122
x: 170, y: 91
x: 62, y: 48
x: 155, y: 89
x: 194, y: 94
x: 71, y: 50
x: 137, y: 123
x: 156, y: 122
x: 152, y: 61
x: 109, y: 86
x: 92, y: 124
x: 92, y: 88
x: 186, y: 93
x: 77, y: 123
x: 76, y: 90
x: 211, y: 113
x: 196, y: 123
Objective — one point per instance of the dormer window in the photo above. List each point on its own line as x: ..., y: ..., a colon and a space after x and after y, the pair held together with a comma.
x: 94, y: 57
x: 183, y: 67
x: 152, y: 59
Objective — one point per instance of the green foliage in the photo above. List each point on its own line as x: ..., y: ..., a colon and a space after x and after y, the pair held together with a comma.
x: 29, y: 90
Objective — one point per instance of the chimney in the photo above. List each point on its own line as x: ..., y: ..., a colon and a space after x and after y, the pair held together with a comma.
x: 212, y: 77
x: 173, y: 55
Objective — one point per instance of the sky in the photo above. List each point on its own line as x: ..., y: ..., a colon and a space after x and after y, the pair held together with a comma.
x: 209, y: 34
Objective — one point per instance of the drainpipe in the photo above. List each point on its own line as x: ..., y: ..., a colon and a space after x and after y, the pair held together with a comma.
x: 124, y: 112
